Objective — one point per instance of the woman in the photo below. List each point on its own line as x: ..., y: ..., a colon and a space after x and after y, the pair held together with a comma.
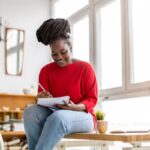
x: 65, y: 76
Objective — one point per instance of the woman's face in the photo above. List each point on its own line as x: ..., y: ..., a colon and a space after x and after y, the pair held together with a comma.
x: 60, y: 51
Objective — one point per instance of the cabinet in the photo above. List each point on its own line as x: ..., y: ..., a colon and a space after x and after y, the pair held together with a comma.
x: 12, y: 105
x: 11, y: 114
x: 11, y: 110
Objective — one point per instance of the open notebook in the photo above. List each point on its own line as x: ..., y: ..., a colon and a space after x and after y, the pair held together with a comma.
x: 51, y: 102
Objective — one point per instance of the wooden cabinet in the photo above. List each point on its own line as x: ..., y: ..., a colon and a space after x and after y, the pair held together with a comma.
x: 12, y: 105
x: 5, y: 116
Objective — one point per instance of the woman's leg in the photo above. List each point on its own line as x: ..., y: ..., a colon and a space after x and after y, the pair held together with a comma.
x: 63, y: 122
x: 34, y: 119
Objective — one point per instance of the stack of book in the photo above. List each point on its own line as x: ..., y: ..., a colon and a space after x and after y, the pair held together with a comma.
x: 15, y: 144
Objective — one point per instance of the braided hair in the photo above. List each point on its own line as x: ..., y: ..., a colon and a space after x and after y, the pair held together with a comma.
x: 52, y: 30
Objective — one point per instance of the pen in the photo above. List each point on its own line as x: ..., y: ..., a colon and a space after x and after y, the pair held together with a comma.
x: 42, y: 87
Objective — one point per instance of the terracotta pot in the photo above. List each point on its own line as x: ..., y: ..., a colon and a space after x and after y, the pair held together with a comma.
x: 102, y: 126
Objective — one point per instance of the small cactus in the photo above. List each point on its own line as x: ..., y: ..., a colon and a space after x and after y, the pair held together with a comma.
x: 100, y: 115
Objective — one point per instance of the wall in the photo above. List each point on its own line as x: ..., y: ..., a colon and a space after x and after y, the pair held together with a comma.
x: 27, y: 15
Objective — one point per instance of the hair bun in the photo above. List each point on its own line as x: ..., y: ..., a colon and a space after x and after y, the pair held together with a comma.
x: 52, y: 29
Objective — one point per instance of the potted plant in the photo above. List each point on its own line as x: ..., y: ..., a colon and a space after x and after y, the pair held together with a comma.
x: 101, y: 122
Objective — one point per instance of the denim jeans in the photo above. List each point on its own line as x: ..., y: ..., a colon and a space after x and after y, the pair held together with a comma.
x: 45, y: 127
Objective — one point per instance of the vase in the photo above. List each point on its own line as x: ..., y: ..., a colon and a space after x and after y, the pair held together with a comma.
x: 102, y: 126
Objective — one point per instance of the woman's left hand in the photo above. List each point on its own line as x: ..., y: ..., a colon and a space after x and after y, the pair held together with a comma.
x: 72, y: 106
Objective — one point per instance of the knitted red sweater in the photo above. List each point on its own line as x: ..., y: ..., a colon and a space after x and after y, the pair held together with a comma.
x: 76, y: 80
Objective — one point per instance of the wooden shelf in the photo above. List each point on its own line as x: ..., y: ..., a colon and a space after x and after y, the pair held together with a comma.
x: 10, y: 134
x: 16, y: 95
x: 11, y: 114
x: 14, y: 101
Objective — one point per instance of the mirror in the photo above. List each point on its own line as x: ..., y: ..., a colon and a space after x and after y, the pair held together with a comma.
x: 14, y: 50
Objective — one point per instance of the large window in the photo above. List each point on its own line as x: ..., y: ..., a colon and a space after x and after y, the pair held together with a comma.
x: 114, y: 36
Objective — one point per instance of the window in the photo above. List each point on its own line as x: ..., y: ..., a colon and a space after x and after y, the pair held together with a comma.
x: 113, y: 35
x: 65, y: 8
x: 120, y: 114
x: 81, y: 39
x: 78, y: 16
x: 140, y: 34
x: 110, y: 53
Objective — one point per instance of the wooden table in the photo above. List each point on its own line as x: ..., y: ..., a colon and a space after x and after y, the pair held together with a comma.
x: 105, y: 140
x: 135, y: 139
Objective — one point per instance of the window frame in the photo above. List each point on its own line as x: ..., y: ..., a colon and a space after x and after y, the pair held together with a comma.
x: 127, y: 90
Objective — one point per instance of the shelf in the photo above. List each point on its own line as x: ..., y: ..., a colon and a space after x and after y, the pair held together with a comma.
x: 16, y: 95
x: 10, y: 134
x: 14, y: 101
x: 5, y: 116
x: 13, y: 111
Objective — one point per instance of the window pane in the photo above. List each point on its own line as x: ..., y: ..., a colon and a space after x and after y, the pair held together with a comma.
x: 110, y: 45
x: 65, y: 8
x: 140, y: 59
x: 81, y: 39
x: 128, y: 114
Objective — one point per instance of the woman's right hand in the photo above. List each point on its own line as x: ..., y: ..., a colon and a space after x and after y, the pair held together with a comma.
x: 43, y: 94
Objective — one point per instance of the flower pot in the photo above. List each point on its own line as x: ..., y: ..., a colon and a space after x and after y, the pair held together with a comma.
x: 102, y: 126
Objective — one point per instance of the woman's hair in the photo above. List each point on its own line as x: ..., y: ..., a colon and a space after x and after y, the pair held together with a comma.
x: 52, y: 30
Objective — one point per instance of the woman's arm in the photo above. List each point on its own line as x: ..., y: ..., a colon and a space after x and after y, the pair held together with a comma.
x: 72, y: 106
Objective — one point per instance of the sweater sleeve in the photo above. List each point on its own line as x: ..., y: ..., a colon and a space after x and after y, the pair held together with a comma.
x: 90, y: 89
x: 44, y: 79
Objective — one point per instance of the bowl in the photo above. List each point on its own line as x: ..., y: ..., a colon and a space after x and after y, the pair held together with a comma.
x: 27, y: 91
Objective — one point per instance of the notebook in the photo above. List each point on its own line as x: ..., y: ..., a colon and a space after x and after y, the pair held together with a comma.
x: 53, y: 101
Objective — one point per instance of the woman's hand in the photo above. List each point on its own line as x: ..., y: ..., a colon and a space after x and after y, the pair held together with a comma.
x: 43, y: 94
x: 72, y: 106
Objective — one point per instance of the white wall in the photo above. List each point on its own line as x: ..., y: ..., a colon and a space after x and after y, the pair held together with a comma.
x: 27, y: 15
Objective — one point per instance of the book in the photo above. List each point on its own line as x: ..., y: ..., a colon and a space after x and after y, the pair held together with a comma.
x: 53, y: 101
x: 12, y: 142
x: 14, y: 148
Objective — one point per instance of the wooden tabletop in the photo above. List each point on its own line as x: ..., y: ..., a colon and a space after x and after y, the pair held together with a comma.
x: 124, y: 137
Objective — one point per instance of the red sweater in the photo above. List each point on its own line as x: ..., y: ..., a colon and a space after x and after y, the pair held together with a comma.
x: 76, y: 80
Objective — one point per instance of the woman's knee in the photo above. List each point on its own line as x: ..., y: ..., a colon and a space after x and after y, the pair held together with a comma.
x: 57, y: 116
x: 72, y: 122
x: 28, y: 113
x: 59, y: 121
x: 35, y: 113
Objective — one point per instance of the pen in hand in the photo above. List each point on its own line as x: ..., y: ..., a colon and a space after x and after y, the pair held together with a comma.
x: 42, y: 87
x: 44, y: 92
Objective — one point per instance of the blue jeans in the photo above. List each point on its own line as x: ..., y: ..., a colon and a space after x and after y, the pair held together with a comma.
x: 44, y: 127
